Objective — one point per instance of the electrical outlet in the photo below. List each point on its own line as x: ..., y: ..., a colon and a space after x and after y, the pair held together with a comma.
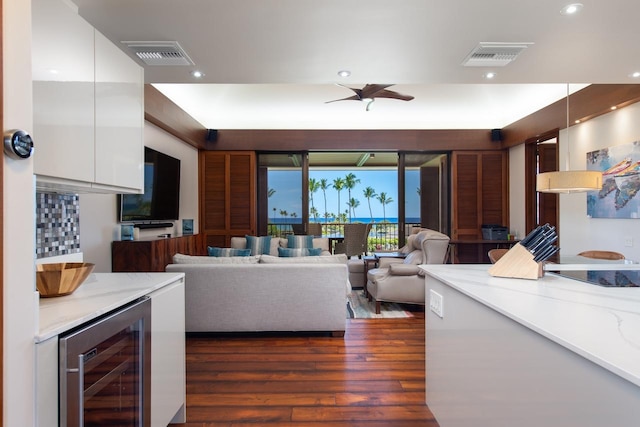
x: 436, y: 303
x: 628, y: 241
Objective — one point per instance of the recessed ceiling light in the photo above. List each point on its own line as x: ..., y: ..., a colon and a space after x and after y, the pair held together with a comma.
x: 577, y: 121
x: 344, y: 73
x: 197, y: 74
x: 635, y: 75
x: 571, y: 9
x: 490, y: 75
x: 614, y: 108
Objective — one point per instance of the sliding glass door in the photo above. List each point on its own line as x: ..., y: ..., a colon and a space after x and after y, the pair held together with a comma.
x: 322, y: 191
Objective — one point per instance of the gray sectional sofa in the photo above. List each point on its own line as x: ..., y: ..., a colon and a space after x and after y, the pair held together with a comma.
x: 264, y: 293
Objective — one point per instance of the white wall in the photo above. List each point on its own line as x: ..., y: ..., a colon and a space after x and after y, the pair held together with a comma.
x: 516, y: 198
x: 98, y: 212
x: 20, y: 298
x: 577, y: 231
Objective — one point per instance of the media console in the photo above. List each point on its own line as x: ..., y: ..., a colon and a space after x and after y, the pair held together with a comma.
x: 152, y: 254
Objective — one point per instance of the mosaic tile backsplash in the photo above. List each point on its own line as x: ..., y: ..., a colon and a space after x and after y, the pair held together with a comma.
x: 57, y: 224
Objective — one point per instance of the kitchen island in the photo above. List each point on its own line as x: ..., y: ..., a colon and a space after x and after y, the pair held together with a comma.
x: 102, y: 293
x: 517, y: 352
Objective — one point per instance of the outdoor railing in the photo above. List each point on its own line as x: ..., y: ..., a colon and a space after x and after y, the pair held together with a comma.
x: 383, y: 235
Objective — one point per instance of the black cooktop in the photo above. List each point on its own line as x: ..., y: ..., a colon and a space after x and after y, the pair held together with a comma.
x: 608, y: 278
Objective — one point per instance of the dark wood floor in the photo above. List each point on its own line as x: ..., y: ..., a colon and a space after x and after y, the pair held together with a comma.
x: 374, y: 376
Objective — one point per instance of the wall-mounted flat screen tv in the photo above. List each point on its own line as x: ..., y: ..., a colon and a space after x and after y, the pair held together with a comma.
x: 161, y: 198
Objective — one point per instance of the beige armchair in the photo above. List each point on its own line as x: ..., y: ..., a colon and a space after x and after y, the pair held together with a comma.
x: 401, y: 280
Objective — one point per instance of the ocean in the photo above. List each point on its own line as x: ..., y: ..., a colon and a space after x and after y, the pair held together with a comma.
x: 279, y: 220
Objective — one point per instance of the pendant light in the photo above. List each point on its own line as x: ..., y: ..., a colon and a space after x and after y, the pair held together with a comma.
x: 568, y: 181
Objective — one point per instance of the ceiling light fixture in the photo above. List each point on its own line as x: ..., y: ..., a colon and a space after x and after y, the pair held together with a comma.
x: 197, y: 74
x: 344, y: 73
x: 568, y: 181
x: 571, y: 9
x: 635, y: 74
x: 490, y: 75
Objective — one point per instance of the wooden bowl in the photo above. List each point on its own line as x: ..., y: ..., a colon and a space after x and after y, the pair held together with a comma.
x: 58, y: 279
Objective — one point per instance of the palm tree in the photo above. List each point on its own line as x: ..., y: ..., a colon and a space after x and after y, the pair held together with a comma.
x: 353, y: 204
x: 338, y: 184
x: 324, y: 184
x: 314, y: 186
x: 369, y: 192
x: 314, y: 213
x: 274, y: 215
x: 271, y: 192
x: 350, y: 182
x: 384, y: 200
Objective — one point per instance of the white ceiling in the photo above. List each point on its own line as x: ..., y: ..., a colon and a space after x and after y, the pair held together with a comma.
x: 273, y: 63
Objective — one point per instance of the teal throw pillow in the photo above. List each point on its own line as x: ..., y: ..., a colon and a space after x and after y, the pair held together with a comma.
x: 296, y: 252
x: 227, y: 252
x: 299, y: 241
x: 259, y: 245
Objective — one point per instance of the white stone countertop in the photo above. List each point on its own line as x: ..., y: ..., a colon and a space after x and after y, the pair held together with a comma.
x: 599, y: 323
x: 99, y: 294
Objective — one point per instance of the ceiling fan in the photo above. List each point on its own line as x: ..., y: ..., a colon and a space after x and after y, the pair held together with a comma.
x: 370, y: 92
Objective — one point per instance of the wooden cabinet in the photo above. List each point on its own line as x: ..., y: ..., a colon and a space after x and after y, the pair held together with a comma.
x: 152, y: 255
x: 88, y: 109
x: 479, y: 196
x: 227, y: 195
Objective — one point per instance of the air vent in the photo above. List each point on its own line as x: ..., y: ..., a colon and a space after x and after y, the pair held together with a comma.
x: 160, y: 53
x: 490, y: 54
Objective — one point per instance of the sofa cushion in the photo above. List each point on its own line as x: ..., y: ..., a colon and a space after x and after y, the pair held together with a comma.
x: 414, y: 257
x: 241, y: 243
x: 298, y: 252
x: 227, y: 252
x: 194, y: 259
x: 299, y: 241
x: 259, y: 245
x: 329, y: 259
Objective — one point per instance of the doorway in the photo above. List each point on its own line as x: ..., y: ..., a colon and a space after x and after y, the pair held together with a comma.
x: 541, y: 155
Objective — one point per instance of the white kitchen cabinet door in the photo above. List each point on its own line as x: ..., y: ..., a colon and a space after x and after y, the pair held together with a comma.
x: 168, y: 365
x: 63, y: 92
x: 46, y: 401
x: 119, y: 109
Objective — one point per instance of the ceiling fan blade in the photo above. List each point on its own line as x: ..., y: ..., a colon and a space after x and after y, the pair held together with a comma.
x: 394, y: 95
x: 371, y: 91
x: 350, y: 98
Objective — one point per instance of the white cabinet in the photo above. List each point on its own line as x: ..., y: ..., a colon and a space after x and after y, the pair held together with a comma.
x: 168, y: 381
x: 88, y: 106
x: 46, y: 402
x: 119, y: 94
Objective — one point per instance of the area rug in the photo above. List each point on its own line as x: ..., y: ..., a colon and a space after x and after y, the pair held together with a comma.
x: 358, y: 307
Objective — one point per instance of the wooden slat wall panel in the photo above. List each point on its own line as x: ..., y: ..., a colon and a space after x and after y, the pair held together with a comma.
x: 227, y: 195
x: 213, y: 177
x: 242, y: 188
x: 494, y: 193
x: 466, y: 190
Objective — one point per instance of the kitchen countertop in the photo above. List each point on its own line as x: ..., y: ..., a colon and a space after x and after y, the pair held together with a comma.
x: 600, y: 324
x: 99, y: 294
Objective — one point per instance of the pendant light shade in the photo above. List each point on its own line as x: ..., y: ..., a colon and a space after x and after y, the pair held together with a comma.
x: 568, y: 181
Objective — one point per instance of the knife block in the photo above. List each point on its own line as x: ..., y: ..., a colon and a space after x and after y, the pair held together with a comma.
x: 517, y: 263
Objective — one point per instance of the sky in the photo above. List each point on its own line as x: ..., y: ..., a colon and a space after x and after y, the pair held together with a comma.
x: 288, y: 195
